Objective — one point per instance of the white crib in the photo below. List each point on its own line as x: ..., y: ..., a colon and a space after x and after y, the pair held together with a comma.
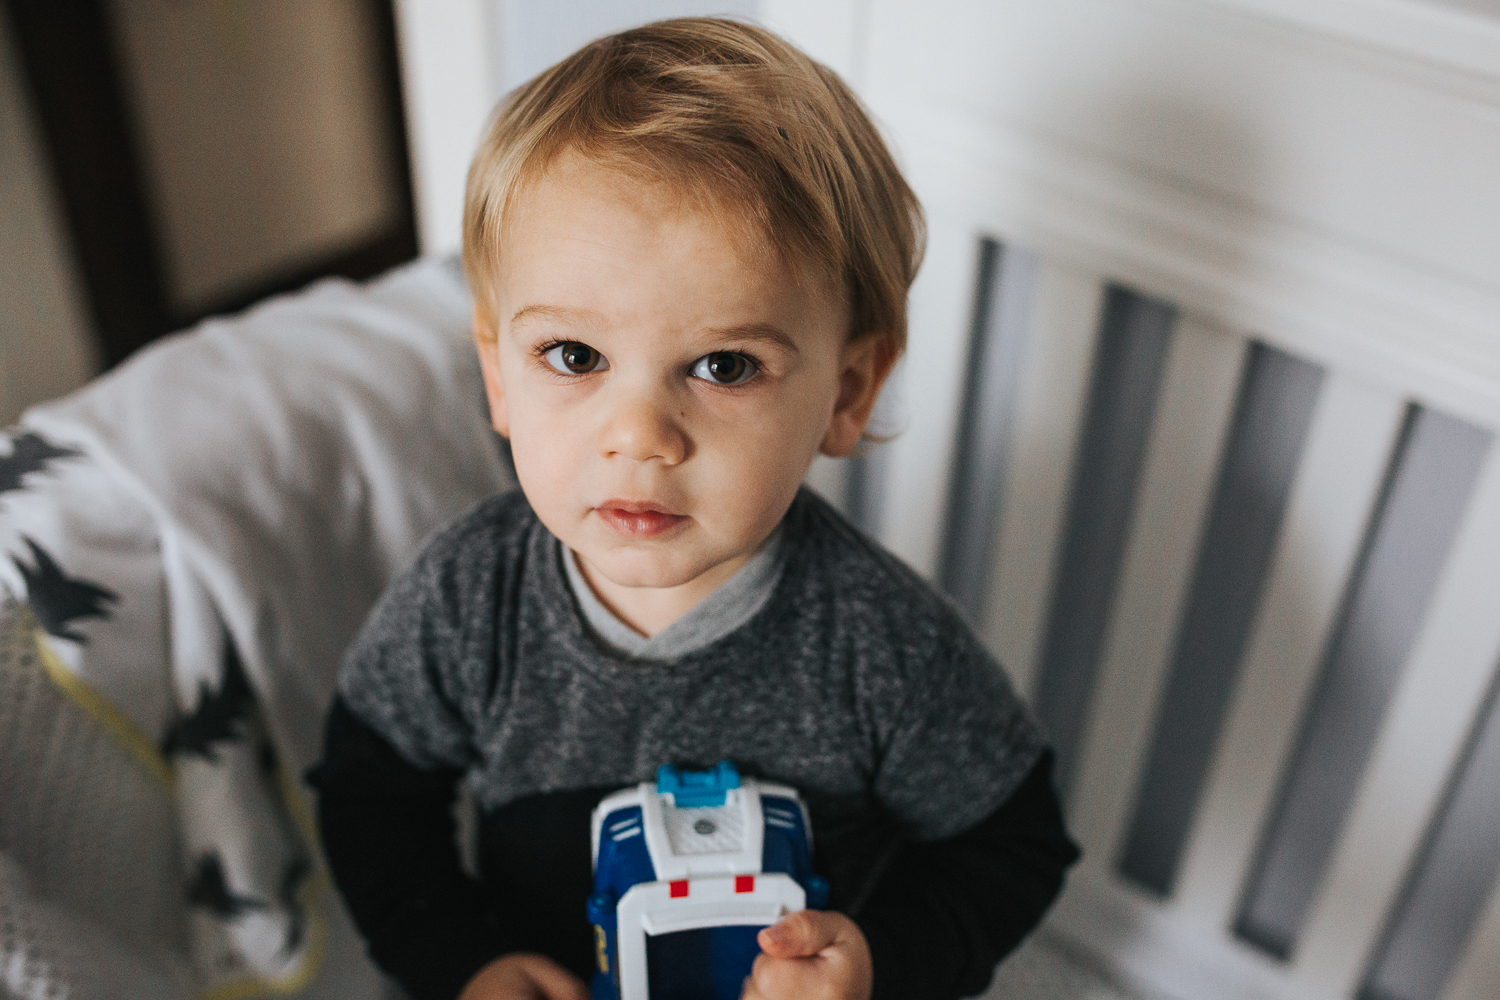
x: 1204, y: 379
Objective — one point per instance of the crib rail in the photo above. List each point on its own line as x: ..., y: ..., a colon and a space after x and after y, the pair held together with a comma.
x: 1220, y: 487
x: 1254, y: 599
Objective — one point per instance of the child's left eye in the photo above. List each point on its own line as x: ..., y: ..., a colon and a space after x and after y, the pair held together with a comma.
x: 724, y: 368
x: 574, y: 358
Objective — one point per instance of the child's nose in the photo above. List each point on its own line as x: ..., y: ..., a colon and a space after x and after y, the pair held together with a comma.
x: 642, y: 431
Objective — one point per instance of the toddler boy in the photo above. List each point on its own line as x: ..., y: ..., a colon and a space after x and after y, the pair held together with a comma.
x: 690, y: 254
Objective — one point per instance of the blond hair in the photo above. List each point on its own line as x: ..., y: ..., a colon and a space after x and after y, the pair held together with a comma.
x: 729, y: 113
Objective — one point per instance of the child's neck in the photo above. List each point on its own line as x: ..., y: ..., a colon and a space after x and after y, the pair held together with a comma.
x: 649, y: 610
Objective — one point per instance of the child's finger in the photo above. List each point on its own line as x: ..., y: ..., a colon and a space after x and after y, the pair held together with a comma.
x: 811, y: 955
x: 555, y: 982
x: 523, y: 976
x: 808, y: 978
x: 801, y: 934
x: 780, y: 979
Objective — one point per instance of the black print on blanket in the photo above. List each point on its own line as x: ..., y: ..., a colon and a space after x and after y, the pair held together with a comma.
x: 297, y: 872
x: 209, y: 889
x: 58, y: 599
x: 29, y: 452
x: 220, y: 714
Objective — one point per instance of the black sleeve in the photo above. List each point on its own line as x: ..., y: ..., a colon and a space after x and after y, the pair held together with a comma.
x: 946, y: 911
x: 388, y: 832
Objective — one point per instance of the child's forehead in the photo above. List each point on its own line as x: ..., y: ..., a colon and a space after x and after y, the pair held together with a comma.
x: 562, y: 197
x: 568, y: 193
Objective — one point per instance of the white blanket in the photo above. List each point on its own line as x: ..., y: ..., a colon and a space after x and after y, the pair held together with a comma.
x: 200, y: 533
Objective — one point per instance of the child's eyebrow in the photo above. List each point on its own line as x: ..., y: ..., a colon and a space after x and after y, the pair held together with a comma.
x: 560, y: 313
x: 764, y: 333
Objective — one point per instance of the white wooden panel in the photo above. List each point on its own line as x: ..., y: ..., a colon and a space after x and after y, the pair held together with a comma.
x: 1192, y: 420
x: 1343, y: 461
x: 1245, y: 107
x: 1453, y: 33
x: 1049, y: 414
x: 1477, y: 976
x: 928, y: 387
x: 1213, y: 159
x: 531, y: 36
x: 449, y: 85
x: 1419, y: 744
x: 827, y: 30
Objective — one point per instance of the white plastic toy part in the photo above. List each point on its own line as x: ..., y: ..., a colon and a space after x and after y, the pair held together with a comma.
x: 714, y: 901
x: 678, y: 855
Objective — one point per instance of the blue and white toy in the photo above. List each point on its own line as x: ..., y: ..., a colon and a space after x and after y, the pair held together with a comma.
x: 686, y: 873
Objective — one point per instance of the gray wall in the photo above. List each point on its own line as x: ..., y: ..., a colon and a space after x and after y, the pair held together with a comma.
x: 46, y: 346
x: 260, y: 135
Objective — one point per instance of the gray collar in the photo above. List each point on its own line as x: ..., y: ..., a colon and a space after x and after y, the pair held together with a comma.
x: 732, y: 604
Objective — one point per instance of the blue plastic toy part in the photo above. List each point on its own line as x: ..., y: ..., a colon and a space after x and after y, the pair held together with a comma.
x: 623, y: 859
x: 696, y: 789
x: 602, y: 915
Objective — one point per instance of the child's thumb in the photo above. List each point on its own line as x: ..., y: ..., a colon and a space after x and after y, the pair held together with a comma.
x: 800, y: 934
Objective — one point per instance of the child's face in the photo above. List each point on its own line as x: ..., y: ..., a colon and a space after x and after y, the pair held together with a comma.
x: 664, y: 381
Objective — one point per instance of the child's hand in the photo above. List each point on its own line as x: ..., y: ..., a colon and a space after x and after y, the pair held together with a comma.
x: 524, y: 977
x: 811, y: 955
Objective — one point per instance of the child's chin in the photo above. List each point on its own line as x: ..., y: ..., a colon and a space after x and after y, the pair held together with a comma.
x: 648, y: 570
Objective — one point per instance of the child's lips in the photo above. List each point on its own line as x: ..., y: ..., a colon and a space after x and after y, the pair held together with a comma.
x: 637, y: 520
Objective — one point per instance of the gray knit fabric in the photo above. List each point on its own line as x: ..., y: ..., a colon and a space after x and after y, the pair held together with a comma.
x: 855, y: 682
x: 730, y: 605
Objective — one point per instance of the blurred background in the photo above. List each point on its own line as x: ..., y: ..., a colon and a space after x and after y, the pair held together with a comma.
x: 1197, y: 423
x: 166, y: 160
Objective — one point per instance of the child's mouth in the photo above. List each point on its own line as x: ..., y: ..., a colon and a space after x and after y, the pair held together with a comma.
x: 637, y: 520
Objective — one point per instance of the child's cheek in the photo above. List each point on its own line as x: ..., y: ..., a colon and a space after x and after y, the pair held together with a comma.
x: 542, y: 467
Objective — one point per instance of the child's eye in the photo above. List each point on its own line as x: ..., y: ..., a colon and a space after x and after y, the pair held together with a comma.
x: 724, y: 368
x: 573, y: 358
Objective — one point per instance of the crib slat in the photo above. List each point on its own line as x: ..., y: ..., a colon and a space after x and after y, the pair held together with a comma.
x: 929, y: 385
x: 1135, y: 338
x: 1419, y: 743
x: 977, y: 486
x: 1343, y: 461
x: 1193, y: 416
x: 1258, y: 464
x: 1049, y: 413
x: 1407, y: 548
x: 1477, y: 976
x: 1445, y: 891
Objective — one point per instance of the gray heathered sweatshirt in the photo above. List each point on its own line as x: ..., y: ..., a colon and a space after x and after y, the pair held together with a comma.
x: 856, y: 682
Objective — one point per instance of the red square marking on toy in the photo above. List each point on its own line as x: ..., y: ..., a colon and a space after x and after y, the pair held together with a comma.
x: 744, y: 883
x: 678, y: 888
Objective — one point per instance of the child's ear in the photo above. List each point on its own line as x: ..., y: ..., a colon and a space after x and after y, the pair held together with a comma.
x: 866, y: 362
x: 486, y: 340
